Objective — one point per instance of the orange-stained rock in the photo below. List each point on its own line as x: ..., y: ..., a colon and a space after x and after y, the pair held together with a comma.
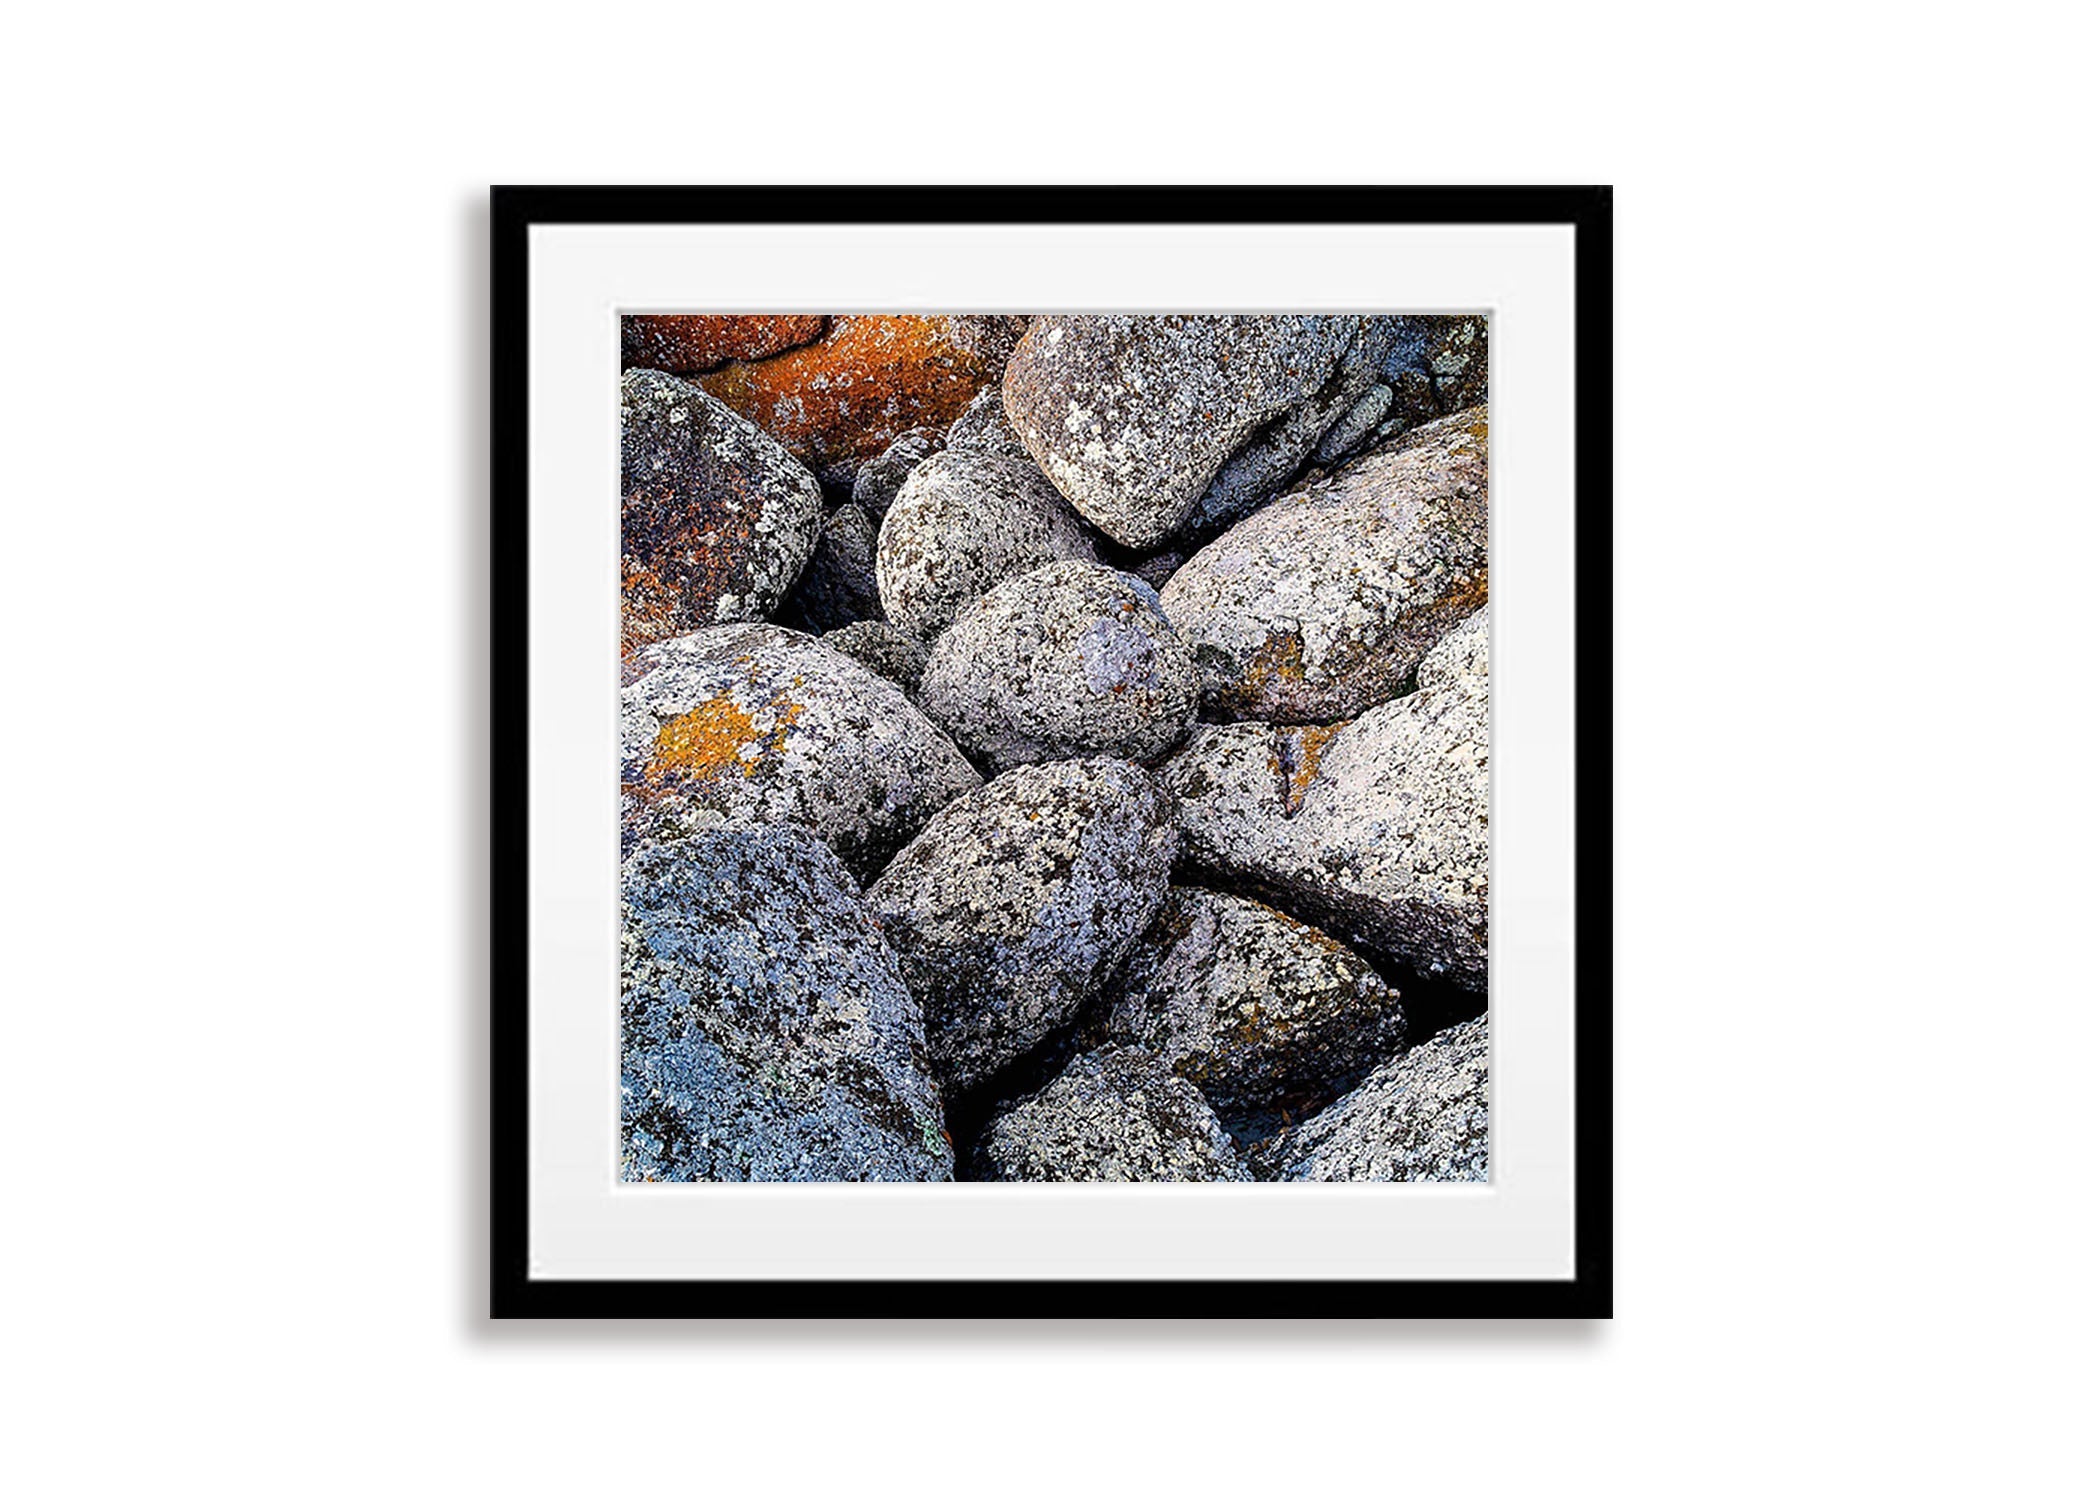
x: 846, y: 397
x: 685, y: 345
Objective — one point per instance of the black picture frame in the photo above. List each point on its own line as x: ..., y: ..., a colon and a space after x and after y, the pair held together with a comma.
x: 513, y: 1293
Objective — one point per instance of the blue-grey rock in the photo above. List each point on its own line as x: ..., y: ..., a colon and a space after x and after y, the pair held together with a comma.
x: 1018, y: 900
x: 1439, y: 365
x: 766, y: 1032
x: 1068, y: 660
x: 1356, y: 424
x: 1423, y: 1117
x: 1114, y: 1115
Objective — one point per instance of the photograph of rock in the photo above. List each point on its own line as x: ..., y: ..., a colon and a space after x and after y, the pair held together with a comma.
x: 1054, y: 748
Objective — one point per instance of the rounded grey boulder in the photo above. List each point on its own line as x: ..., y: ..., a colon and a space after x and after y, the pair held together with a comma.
x: 766, y: 1033
x: 1068, y: 660
x: 1016, y: 902
x: 1257, y: 1010
x: 963, y: 522
x: 1321, y: 604
x: 759, y: 724
x: 716, y: 518
x: 1114, y: 1115
x: 1132, y: 417
x: 1423, y: 1117
x: 883, y: 649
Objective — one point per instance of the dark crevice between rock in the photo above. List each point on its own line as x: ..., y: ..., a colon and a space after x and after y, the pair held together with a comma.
x: 971, y: 1110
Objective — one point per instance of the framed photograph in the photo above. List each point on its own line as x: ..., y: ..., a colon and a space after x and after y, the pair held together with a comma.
x: 1051, y: 752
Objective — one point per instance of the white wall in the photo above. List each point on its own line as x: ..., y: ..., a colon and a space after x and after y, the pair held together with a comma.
x: 242, y: 599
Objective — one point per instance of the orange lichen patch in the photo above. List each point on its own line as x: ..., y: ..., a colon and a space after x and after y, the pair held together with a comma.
x: 703, y: 743
x: 1301, y: 747
x: 1468, y: 594
x: 685, y: 345
x: 849, y: 395
x: 716, y: 738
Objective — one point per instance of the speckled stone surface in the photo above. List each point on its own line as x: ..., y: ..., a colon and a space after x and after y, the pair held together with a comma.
x: 1157, y: 568
x: 1321, y: 604
x: 1393, y: 830
x: 962, y: 523
x: 1115, y: 1115
x: 1376, y: 830
x: 1439, y: 366
x: 883, y: 649
x: 877, y: 481
x: 838, y: 585
x: 1356, y: 424
x: 749, y: 724
x: 983, y: 428
x: 1254, y: 1008
x: 1273, y: 456
x: 1015, y: 903
x: 1132, y: 417
x: 766, y: 1033
x: 716, y: 519
x: 1068, y: 660
x: 1422, y: 1117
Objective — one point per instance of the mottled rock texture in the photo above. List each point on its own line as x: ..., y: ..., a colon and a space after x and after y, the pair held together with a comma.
x: 1269, y: 459
x: 838, y: 585
x: 751, y: 724
x: 983, y: 428
x: 1321, y: 604
x: 1438, y: 366
x: 1356, y: 424
x: 1157, y: 568
x: 869, y: 380
x: 876, y: 482
x: 962, y: 523
x: 1132, y: 417
x: 766, y: 1033
x: 687, y: 345
x: 1257, y: 1010
x: 1017, y: 900
x: 1394, y: 826
x: 883, y: 649
x: 716, y: 519
x: 1375, y: 830
x: 1068, y: 660
x: 1115, y: 1115
x: 1423, y: 1117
